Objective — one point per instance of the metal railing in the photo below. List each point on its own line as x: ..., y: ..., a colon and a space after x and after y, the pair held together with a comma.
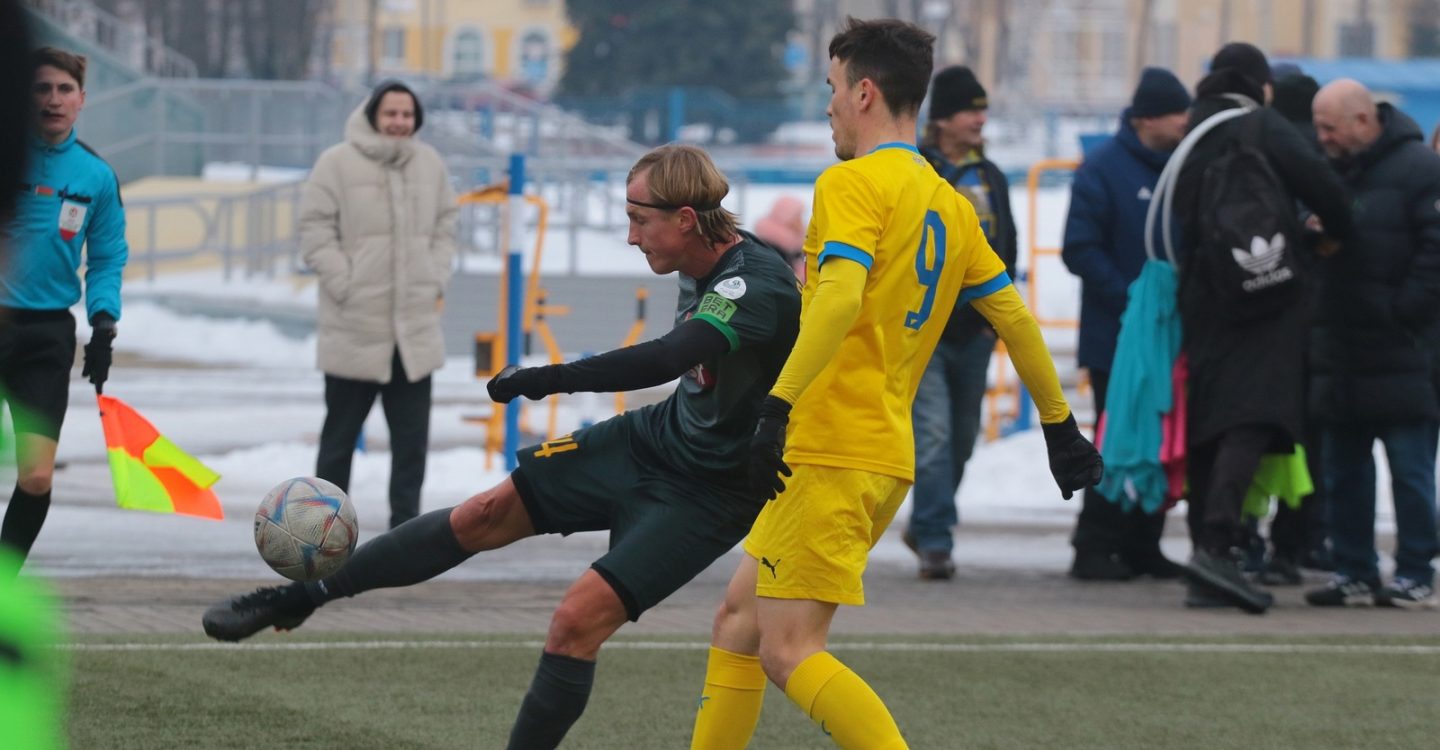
x: 127, y: 41
x: 176, y: 126
x: 247, y: 233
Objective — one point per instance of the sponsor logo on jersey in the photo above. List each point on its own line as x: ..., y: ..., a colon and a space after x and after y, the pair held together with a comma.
x: 703, y: 377
x: 717, y: 307
x: 733, y: 288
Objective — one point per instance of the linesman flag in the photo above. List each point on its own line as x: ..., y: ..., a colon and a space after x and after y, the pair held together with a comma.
x: 149, y: 471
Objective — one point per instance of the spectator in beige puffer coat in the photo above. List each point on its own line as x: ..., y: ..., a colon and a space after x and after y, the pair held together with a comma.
x: 377, y: 224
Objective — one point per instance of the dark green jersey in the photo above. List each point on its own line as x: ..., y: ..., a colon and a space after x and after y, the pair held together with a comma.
x: 704, y: 427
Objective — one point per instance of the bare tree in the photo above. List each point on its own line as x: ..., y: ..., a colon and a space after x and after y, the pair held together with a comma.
x: 277, y: 36
x: 1142, y: 34
x: 372, y: 40
x: 264, y: 38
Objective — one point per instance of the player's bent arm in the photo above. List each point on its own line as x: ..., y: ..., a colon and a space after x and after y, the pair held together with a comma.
x: 1017, y: 328
x: 651, y: 363
x: 832, y: 311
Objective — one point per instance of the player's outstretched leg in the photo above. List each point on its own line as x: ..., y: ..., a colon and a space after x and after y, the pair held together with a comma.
x: 589, y: 614
x: 415, y: 551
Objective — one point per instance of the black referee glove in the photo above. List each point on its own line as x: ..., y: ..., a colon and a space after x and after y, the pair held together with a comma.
x: 98, y: 352
x: 1073, y: 460
x: 767, y: 449
x: 533, y: 383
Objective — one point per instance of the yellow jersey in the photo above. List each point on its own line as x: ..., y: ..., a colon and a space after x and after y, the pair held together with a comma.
x: 924, y: 252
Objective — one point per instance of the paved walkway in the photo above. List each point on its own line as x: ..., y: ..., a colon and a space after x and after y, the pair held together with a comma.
x: 990, y: 602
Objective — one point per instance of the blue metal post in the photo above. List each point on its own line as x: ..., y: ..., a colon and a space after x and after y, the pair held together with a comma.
x: 677, y: 112
x: 514, y: 300
x: 1022, y: 418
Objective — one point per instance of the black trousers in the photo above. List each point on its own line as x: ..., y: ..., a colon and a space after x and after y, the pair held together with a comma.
x: 407, y: 413
x: 1295, y: 532
x: 1220, y: 472
x: 1103, y: 528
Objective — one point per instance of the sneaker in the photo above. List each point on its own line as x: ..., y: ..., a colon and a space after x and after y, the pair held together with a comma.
x: 1200, y: 597
x: 1220, y: 574
x: 280, y: 607
x: 1253, y: 553
x: 1407, y: 593
x: 1342, y: 592
x: 1280, y: 571
x: 907, y: 537
x: 1318, y: 558
x: 936, y: 565
x: 1154, y: 564
x: 1094, y: 566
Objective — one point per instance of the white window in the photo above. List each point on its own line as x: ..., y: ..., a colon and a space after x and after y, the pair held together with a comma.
x: 468, y: 54
x: 392, y: 44
x: 535, y: 57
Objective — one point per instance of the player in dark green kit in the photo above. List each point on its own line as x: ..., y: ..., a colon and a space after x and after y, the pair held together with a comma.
x: 668, y: 480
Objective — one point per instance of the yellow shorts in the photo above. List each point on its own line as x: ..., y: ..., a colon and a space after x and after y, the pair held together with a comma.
x: 813, y: 541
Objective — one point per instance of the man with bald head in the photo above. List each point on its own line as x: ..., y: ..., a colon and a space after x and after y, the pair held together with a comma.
x: 1374, y: 347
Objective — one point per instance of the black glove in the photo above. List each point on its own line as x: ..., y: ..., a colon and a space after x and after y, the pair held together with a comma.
x: 533, y: 383
x: 1073, y: 460
x: 98, y: 351
x: 767, y: 449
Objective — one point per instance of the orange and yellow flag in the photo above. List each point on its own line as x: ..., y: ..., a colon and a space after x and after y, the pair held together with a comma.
x: 149, y: 471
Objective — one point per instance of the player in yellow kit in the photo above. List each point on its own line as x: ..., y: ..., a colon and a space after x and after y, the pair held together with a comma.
x: 891, y: 248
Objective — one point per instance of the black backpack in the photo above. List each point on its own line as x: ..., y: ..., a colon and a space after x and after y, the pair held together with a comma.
x: 1249, y: 229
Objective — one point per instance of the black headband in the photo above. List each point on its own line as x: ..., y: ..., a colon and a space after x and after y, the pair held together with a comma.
x: 669, y: 207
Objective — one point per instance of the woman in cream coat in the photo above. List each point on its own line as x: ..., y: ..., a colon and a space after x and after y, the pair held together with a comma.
x: 377, y: 224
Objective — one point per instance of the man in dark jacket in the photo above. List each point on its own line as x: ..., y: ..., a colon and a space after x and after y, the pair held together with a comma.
x: 1247, y: 372
x: 1374, y: 345
x: 947, y: 405
x: 1105, y: 246
x: 1299, y: 537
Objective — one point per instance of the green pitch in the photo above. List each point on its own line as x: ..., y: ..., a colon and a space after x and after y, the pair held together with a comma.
x: 302, y: 691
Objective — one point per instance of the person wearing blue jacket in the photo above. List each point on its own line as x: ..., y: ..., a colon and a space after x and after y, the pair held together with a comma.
x: 69, y: 200
x: 1105, y: 246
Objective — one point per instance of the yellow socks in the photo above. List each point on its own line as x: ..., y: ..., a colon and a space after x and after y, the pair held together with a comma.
x: 730, y: 706
x: 843, y: 705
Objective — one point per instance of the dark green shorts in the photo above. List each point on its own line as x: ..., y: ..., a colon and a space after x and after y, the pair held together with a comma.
x: 665, y: 527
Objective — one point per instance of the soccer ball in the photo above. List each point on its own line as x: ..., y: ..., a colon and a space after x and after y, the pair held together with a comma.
x: 305, y: 528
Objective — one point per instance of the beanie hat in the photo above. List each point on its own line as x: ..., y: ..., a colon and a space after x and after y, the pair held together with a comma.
x: 1293, y: 96
x: 1158, y: 93
x: 1247, y: 59
x: 384, y: 87
x: 955, y: 89
x: 1284, y: 70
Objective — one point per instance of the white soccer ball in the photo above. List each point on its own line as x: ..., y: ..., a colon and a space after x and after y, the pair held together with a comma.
x: 305, y: 528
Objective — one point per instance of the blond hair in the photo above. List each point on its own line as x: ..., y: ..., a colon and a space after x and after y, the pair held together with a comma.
x: 682, y: 176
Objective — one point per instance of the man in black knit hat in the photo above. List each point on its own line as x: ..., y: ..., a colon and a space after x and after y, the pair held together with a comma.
x: 947, y: 405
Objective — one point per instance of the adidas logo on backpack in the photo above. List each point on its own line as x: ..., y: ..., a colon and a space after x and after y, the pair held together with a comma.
x: 1262, y: 261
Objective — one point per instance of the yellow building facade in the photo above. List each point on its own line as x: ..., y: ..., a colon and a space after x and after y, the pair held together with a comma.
x: 518, y: 43
x: 1086, y: 53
